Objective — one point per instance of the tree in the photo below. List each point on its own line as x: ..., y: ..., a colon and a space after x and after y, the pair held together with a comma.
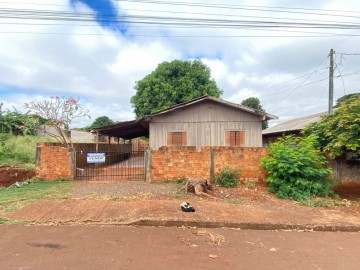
x: 339, y: 132
x: 346, y: 97
x: 100, y: 122
x: 296, y: 169
x: 254, y: 102
x: 172, y: 83
x: 17, y: 123
x: 60, y: 112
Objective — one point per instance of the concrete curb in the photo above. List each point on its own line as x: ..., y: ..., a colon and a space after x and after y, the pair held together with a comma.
x: 245, y: 225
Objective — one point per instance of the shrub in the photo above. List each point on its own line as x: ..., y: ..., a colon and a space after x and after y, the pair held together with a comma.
x: 228, y: 177
x: 296, y: 169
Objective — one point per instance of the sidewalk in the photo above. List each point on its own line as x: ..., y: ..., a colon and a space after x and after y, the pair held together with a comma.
x: 289, y: 216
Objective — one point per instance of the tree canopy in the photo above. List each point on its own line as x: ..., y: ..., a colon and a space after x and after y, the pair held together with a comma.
x: 172, y: 83
x: 100, y: 122
x: 254, y: 102
x: 339, y: 132
x: 346, y: 97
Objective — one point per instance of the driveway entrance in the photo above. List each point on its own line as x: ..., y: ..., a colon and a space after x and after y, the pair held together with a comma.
x: 110, y: 165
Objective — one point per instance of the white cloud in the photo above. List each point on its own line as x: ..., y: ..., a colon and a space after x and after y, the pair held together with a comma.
x: 101, y: 66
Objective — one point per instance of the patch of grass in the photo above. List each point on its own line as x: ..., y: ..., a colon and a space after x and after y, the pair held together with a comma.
x: 20, y: 150
x: 13, y: 198
x: 249, y: 184
x: 326, y: 202
x: 11, y: 221
x: 236, y: 201
x: 232, y: 201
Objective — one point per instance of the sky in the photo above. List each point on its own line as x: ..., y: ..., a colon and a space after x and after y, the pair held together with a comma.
x: 96, y: 50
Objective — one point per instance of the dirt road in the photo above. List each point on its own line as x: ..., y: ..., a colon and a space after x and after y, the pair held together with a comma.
x: 81, y: 247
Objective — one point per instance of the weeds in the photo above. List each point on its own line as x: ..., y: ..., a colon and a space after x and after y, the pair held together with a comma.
x: 13, y: 198
x: 228, y: 177
x: 326, y: 202
x: 249, y: 184
x: 19, y: 150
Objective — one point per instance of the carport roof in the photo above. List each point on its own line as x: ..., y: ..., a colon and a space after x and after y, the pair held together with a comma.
x: 126, y: 130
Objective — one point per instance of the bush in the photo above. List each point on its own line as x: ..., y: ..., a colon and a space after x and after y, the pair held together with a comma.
x: 228, y: 177
x: 296, y: 169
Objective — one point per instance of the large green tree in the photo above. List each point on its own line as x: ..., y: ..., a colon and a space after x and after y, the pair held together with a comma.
x: 172, y: 83
x: 100, y: 122
x: 254, y: 102
x: 339, y: 132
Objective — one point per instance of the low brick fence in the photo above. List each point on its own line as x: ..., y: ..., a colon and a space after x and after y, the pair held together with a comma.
x: 172, y: 163
x: 54, y: 162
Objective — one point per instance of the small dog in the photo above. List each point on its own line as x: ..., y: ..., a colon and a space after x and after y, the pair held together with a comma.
x: 186, y: 207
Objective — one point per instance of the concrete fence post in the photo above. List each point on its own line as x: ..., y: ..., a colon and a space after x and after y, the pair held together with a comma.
x: 148, y: 157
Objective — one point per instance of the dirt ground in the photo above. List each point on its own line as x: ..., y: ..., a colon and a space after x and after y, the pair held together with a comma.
x: 130, y: 202
x: 84, y: 247
x: 10, y: 175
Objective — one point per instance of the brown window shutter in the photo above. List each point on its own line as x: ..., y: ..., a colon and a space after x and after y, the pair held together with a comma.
x: 169, y: 139
x: 227, y: 137
x: 242, y: 138
x: 184, y: 138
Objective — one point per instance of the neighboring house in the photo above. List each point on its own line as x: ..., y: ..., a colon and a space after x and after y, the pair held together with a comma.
x: 81, y: 136
x: 345, y: 169
x: 290, y: 127
x: 204, y: 121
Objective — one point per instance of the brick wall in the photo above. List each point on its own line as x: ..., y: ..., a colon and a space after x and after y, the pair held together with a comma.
x: 172, y: 163
x: 54, y: 162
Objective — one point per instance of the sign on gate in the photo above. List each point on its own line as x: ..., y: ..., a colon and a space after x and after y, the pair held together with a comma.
x: 95, y: 158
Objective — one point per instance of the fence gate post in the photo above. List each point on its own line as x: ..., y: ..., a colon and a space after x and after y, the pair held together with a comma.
x: 148, y: 165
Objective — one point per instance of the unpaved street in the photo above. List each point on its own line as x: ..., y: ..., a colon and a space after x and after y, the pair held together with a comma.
x: 85, y: 247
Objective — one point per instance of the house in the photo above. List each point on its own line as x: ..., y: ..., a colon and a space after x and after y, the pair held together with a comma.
x: 345, y: 169
x: 290, y: 127
x: 203, y: 121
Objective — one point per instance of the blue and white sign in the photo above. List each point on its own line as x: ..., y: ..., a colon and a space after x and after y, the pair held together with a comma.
x: 95, y: 157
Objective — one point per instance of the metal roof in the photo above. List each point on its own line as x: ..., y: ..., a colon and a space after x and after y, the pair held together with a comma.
x: 267, y: 116
x: 137, y: 128
x: 126, y: 130
x: 294, y: 124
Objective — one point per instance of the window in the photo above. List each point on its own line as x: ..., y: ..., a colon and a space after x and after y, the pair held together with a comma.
x: 177, y: 138
x: 235, y: 138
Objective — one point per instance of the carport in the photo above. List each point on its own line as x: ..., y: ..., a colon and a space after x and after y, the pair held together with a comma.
x: 112, y: 162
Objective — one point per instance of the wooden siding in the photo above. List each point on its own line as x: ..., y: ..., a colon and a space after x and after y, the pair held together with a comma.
x: 206, y: 124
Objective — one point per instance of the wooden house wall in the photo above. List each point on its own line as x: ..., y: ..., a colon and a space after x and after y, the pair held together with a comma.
x: 205, y: 124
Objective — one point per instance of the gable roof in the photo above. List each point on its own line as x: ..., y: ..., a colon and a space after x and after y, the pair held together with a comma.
x: 294, y: 124
x: 266, y: 116
x: 140, y: 127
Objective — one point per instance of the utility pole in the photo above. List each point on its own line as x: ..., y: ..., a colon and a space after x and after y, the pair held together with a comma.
x: 331, y: 81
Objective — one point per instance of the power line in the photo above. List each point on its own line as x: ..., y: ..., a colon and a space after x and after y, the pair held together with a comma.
x: 181, y: 36
x: 244, y: 7
x: 276, y: 85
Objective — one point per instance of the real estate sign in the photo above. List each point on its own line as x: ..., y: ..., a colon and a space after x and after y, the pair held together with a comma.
x: 95, y: 158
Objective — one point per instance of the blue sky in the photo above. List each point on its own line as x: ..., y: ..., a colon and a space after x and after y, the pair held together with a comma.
x: 100, y: 61
x: 106, y: 13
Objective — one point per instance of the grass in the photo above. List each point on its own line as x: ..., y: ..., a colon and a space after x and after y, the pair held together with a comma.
x: 19, y: 151
x: 13, y: 198
x: 326, y: 202
x: 11, y: 221
x: 236, y: 201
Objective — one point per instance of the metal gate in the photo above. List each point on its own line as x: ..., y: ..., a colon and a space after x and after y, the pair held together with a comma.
x: 110, y: 165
